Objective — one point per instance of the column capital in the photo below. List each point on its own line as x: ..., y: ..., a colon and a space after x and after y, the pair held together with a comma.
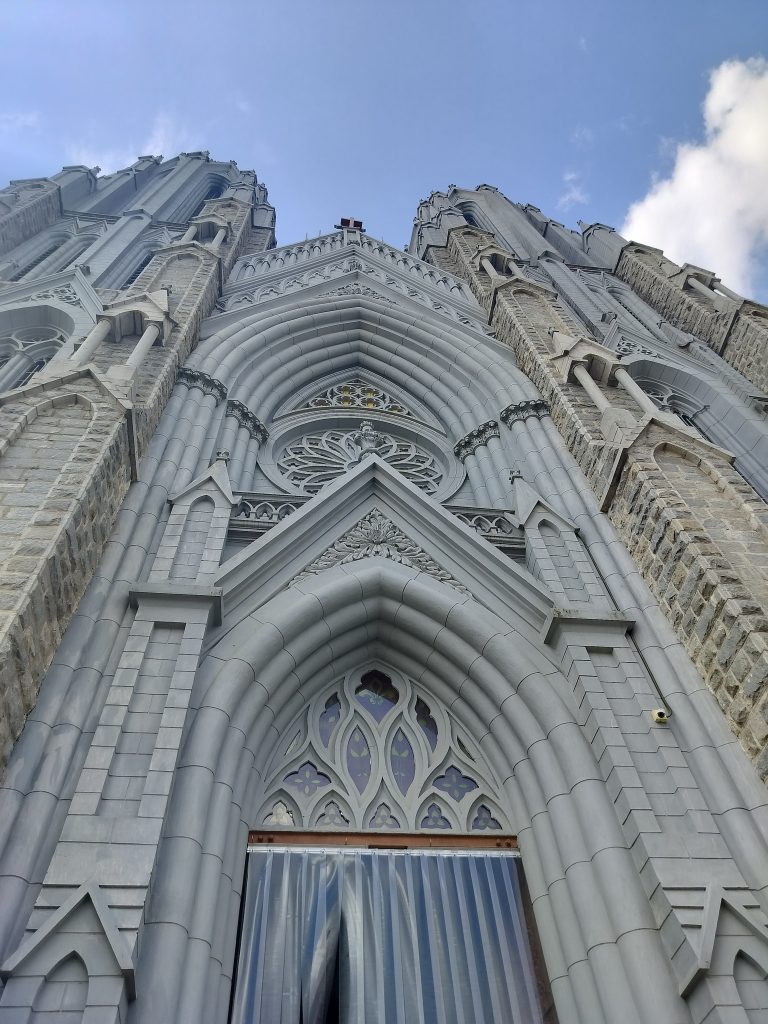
x: 475, y: 439
x: 207, y: 384
x: 523, y: 410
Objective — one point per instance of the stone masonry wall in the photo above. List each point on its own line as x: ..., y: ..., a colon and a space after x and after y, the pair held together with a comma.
x: 738, y: 334
x: 63, y: 473
x: 699, y: 534
x: 194, y: 276
x: 697, y: 530
x: 65, y: 465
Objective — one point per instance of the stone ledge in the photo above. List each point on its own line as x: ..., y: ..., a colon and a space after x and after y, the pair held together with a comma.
x: 186, y: 597
x: 585, y: 620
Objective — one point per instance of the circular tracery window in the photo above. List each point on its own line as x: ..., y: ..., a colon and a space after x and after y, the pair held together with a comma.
x: 373, y: 752
x: 314, y: 459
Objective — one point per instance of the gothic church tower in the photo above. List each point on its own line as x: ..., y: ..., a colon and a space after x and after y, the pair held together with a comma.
x: 382, y: 633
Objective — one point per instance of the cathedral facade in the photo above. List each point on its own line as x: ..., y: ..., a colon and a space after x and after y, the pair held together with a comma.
x: 382, y: 633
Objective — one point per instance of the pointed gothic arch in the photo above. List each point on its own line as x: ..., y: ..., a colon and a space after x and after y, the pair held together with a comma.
x: 63, y: 990
x: 376, y: 751
x: 265, y: 356
x: 502, y: 691
x: 352, y: 388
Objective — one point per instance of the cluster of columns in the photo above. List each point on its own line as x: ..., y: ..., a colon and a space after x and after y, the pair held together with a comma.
x: 623, y: 379
x: 100, y: 332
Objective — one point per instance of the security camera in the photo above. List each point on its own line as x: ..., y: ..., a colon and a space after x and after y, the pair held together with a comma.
x: 660, y: 716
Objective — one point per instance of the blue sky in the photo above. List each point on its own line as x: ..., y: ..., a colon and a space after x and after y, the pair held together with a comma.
x: 362, y: 108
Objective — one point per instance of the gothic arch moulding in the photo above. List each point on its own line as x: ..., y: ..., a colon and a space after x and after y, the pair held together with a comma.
x: 356, y: 388
x: 269, y: 668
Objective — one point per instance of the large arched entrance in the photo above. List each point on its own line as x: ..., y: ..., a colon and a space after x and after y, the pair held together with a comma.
x: 594, y: 922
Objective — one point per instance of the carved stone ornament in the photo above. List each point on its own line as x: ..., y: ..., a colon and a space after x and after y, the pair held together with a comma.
x: 377, y: 536
x: 522, y: 410
x: 247, y: 419
x: 475, y: 439
x: 314, y: 459
x: 207, y: 384
x: 359, y: 289
x: 62, y: 293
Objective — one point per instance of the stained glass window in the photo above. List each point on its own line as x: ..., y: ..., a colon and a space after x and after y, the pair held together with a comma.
x: 375, y: 751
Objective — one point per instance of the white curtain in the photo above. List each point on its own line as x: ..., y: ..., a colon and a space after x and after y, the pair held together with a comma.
x: 383, y: 937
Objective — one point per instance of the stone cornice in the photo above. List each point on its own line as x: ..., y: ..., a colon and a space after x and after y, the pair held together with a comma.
x: 207, y: 384
x: 475, y: 439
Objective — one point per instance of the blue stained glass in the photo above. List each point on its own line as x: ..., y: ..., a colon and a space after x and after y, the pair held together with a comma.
x: 359, y: 759
x: 307, y: 779
x: 329, y: 718
x: 332, y: 815
x: 484, y: 819
x: 434, y: 818
x: 402, y: 761
x: 377, y: 694
x: 426, y: 722
x: 454, y: 783
x: 383, y: 818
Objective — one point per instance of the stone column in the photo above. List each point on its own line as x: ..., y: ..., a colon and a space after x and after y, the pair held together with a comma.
x: 238, y: 455
x: 581, y: 373
x: 146, y: 341
x: 95, y: 337
x: 633, y: 389
x: 248, y: 436
x: 189, y: 235
x: 12, y: 370
x: 485, y: 485
x: 218, y: 240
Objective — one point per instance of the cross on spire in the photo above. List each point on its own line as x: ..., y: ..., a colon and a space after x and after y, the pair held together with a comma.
x: 350, y: 224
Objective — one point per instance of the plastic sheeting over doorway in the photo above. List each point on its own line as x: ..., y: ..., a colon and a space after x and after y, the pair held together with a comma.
x: 368, y: 937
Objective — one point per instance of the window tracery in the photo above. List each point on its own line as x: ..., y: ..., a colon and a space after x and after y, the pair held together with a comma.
x: 356, y: 394
x: 374, y: 752
x: 315, y: 459
x: 669, y: 400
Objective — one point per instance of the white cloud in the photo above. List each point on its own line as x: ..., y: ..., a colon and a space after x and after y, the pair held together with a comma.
x: 241, y: 104
x: 582, y: 136
x: 712, y: 210
x: 13, y: 123
x: 164, y: 137
x: 573, y: 194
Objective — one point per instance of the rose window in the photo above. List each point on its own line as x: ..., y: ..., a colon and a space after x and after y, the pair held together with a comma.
x: 373, y: 752
x: 314, y: 459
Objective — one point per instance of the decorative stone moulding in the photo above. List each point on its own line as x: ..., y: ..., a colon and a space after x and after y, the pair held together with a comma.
x: 207, y: 384
x: 360, y: 289
x: 475, y: 439
x: 254, y: 514
x: 523, y: 410
x: 377, y: 536
x: 247, y: 419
